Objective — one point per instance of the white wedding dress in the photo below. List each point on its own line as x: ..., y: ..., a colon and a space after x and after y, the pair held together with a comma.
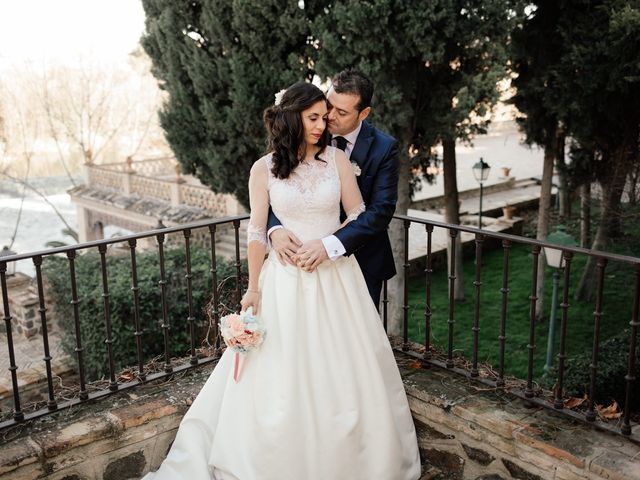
x: 322, y: 399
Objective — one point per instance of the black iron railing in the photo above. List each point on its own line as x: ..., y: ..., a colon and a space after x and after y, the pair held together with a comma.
x: 504, y: 241
x: 71, y: 252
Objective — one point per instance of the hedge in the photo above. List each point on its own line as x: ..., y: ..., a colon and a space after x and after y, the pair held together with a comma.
x: 610, y: 378
x: 91, y: 307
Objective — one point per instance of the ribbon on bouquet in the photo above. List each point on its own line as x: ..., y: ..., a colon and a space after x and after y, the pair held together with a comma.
x: 237, y: 368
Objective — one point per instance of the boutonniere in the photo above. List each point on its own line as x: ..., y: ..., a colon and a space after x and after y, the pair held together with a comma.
x: 356, y: 169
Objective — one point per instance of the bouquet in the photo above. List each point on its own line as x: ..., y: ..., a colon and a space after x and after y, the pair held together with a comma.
x: 242, y: 333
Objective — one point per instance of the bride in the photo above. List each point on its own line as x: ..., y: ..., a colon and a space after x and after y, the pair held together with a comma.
x: 322, y: 399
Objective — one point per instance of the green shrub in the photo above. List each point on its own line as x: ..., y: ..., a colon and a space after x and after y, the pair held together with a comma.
x: 610, y: 378
x: 91, y: 307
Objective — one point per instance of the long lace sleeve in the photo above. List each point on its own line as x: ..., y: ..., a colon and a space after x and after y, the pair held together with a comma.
x: 259, y: 203
x: 256, y: 234
x: 351, y: 197
x: 355, y: 212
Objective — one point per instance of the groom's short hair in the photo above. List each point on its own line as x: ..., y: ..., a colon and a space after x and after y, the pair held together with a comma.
x: 354, y: 82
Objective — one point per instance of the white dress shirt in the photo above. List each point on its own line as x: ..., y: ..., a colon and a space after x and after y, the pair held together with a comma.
x: 332, y: 245
x: 350, y: 138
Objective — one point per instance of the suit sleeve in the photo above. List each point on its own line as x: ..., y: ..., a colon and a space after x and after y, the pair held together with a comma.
x: 273, y: 220
x: 380, y: 209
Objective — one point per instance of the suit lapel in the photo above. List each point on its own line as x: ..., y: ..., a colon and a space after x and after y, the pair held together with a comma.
x: 360, y: 153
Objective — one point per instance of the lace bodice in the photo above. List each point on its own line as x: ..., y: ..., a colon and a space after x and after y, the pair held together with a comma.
x: 307, y: 202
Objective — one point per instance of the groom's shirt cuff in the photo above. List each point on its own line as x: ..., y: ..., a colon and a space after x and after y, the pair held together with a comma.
x: 270, y: 231
x: 334, y: 247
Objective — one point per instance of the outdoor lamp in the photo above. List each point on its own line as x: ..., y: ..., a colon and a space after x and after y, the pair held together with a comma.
x: 561, y: 238
x: 554, y: 260
x: 481, y: 170
x: 481, y: 173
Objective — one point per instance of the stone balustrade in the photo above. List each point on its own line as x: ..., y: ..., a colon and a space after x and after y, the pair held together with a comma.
x: 139, y: 193
x: 140, y: 181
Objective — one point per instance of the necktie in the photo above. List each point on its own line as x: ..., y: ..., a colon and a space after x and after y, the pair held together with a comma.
x: 341, y: 143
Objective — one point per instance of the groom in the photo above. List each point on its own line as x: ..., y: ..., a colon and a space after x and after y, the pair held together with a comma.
x: 376, y: 155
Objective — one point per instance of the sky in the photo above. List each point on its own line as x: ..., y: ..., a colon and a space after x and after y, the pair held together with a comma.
x: 61, y: 31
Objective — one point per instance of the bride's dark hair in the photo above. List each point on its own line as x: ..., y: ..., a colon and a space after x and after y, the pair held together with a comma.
x: 286, y: 129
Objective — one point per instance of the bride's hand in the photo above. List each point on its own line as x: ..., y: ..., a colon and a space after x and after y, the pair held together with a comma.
x: 310, y: 255
x: 251, y: 298
x: 286, y: 244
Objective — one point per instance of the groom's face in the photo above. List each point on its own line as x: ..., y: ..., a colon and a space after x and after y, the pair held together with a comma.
x: 344, y: 117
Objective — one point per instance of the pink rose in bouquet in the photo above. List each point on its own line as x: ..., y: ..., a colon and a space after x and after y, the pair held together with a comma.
x: 242, y: 333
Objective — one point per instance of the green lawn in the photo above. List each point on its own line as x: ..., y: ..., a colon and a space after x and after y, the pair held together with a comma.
x: 618, y: 296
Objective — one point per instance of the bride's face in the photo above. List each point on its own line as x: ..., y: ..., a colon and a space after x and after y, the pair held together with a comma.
x: 314, y: 120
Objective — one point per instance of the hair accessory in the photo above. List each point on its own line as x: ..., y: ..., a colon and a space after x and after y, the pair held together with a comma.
x: 279, y: 96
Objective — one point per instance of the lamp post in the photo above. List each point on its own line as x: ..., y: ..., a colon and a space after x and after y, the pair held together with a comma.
x: 554, y: 260
x: 11, y: 266
x: 481, y: 173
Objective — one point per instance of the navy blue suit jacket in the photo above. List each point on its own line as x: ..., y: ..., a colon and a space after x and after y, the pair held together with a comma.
x: 376, y: 153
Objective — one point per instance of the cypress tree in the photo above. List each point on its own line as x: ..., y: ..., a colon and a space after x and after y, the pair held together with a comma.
x: 600, y: 74
x: 221, y: 62
x: 578, y: 67
x: 537, y: 49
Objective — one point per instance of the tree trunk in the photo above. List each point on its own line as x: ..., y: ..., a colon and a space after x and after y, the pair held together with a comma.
x: 615, y: 225
x: 612, y: 188
x: 634, y: 180
x: 563, y: 188
x: 395, y: 286
x: 542, y: 229
x: 585, y: 214
x: 452, y: 212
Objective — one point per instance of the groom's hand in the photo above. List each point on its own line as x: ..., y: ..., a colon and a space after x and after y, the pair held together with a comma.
x: 311, y: 254
x: 286, y: 245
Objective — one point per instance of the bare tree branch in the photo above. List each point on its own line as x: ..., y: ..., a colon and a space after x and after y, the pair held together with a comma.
x: 46, y: 103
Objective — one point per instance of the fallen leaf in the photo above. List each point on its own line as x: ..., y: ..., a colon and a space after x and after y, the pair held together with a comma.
x: 609, y: 412
x: 573, y: 402
x: 127, y: 375
x: 415, y: 364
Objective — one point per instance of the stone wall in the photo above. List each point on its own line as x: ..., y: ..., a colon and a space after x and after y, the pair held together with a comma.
x: 438, y: 202
x: 23, y: 305
x: 465, y: 432
x: 471, y: 432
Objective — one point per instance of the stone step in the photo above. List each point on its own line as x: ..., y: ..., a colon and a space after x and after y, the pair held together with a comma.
x: 526, y: 183
x: 226, y: 242
x: 228, y: 250
x: 231, y: 238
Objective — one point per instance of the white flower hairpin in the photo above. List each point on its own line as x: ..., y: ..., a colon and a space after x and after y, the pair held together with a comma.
x: 279, y: 96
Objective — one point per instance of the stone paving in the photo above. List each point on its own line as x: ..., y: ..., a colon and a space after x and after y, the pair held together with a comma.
x: 522, y: 194
x: 501, y: 147
x: 440, y: 237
